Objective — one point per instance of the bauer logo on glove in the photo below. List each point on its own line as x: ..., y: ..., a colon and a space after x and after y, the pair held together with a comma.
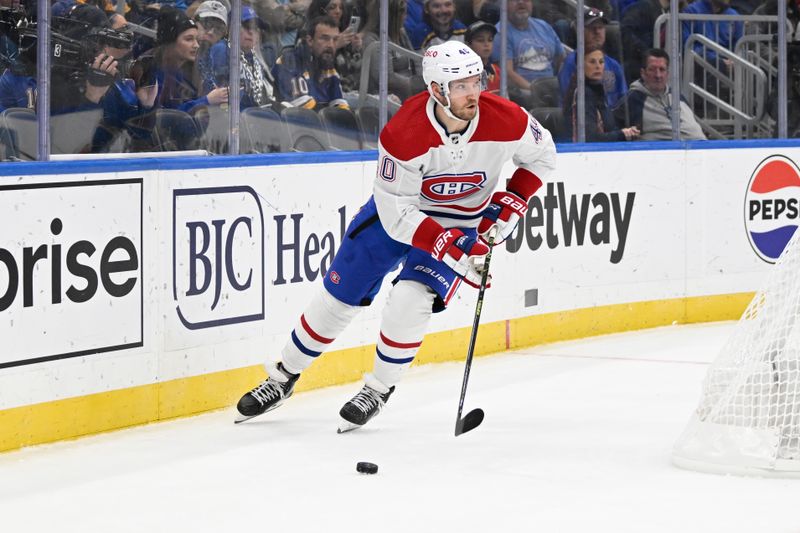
x: 464, y: 254
x: 504, y: 213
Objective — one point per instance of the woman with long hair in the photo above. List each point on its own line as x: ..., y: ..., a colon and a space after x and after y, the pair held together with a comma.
x: 165, y: 76
x: 601, y: 126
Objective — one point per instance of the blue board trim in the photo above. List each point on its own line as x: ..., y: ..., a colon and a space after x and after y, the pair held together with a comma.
x: 318, y: 158
x: 34, y: 168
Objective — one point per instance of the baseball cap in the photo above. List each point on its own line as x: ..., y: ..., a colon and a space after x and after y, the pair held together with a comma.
x: 475, y: 27
x: 248, y: 13
x: 212, y: 9
x: 592, y: 14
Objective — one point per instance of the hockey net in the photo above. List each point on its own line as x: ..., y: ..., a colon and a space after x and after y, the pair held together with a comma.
x: 748, y: 420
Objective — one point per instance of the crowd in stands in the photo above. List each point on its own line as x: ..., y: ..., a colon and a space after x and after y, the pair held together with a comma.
x: 309, y: 54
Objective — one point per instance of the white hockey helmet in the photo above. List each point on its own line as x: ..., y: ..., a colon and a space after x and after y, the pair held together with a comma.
x: 449, y: 61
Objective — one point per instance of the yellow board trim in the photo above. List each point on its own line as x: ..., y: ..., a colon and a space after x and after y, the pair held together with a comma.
x: 106, y: 411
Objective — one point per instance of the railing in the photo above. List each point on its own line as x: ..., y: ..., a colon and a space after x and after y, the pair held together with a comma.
x: 729, y: 92
x: 723, y: 108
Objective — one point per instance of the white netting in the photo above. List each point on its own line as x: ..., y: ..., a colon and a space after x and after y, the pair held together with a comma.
x: 748, y: 419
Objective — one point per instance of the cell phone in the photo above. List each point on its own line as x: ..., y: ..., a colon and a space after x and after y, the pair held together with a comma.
x: 144, y: 72
x: 355, y: 20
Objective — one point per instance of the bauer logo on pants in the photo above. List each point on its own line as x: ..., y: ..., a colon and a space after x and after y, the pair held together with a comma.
x: 70, y: 269
x: 771, y: 209
x: 218, y: 256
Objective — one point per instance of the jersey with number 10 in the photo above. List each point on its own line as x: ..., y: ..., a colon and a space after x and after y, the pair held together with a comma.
x: 425, y: 172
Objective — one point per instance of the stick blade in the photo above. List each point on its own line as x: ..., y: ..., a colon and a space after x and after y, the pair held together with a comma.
x: 472, y: 420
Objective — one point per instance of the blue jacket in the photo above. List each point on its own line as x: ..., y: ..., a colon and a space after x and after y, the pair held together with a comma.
x: 16, y: 90
x: 120, y: 104
x: 724, y: 33
x: 415, y: 19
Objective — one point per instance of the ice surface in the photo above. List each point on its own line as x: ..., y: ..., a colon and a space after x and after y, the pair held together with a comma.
x: 577, y: 438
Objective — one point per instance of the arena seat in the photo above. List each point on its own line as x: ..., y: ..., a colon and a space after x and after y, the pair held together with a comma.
x: 342, y: 128
x: 306, y: 131
x: 262, y: 131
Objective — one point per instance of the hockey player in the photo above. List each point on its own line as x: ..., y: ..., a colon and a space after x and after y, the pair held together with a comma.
x: 439, y: 162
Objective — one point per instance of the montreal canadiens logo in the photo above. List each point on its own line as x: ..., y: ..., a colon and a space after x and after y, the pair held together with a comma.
x: 335, y: 279
x: 772, y: 206
x: 451, y: 187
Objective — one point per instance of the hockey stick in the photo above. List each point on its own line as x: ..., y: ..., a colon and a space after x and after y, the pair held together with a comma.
x: 474, y: 417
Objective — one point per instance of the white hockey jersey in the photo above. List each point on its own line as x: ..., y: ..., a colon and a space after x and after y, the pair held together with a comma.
x: 424, y: 172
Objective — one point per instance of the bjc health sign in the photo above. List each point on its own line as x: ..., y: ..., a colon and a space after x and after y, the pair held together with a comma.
x: 218, y: 256
x: 772, y: 206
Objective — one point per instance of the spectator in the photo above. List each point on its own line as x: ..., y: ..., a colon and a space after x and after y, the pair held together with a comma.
x: 792, y: 93
x: 415, y: 17
x: 534, y: 50
x: 405, y: 75
x: 305, y: 74
x: 637, y: 32
x: 165, y: 76
x: 285, y: 17
x: 255, y: 73
x: 472, y: 11
x: 770, y: 7
x: 600, y: 123
x: 648, y: 105
x: 566, y: 27
x: 79, y: 90
x: 595, y: 36
x: 191, y: 11
x: 440, y: 25
x: 348, y: 44
x: 480, y: 36
x: 211, y: 18
x: 335, y: 9
x: 725, y: 34
x: 560, y: 15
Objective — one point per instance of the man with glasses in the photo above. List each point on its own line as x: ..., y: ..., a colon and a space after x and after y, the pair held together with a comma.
x: 433, y: 203
x: 212, y: 25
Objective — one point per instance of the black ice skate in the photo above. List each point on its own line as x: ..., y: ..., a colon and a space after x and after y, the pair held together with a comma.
x: 269, y: 395
x: 365, y: 405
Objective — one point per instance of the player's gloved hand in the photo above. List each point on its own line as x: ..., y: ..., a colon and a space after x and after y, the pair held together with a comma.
x: 465, y: 255
x: 508, y: 207
x: 504, y: 212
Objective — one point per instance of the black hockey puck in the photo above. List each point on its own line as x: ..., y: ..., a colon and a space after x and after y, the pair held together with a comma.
x: 367, y: 468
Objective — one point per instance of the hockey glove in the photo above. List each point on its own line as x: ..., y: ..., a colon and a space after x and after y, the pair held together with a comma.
x: 505, y: 211
x: 508, y: 207
x: 465, y: 255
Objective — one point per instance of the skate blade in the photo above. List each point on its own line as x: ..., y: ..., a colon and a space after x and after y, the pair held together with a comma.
x: 241, y: 418
x: 345, y: 426
x: 244, y: 418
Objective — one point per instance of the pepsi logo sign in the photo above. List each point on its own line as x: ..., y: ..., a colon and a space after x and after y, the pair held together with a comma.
x: 772, y: 206
x: 451, y: 187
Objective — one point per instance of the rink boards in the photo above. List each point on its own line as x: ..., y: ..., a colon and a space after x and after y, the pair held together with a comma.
x: 140, y: 290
